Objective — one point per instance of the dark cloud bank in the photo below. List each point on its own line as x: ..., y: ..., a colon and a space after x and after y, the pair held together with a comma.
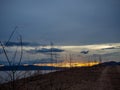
x: 62, y: 21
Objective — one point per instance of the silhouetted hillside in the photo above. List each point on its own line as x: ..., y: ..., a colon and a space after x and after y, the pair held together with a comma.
x: 111, y: 63
x: 84, y: 78
x: 29, y: 67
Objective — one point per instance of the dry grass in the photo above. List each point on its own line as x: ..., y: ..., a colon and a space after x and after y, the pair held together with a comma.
x: 85, y: 78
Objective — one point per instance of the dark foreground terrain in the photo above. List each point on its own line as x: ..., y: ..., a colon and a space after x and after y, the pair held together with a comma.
x: 84, y: 78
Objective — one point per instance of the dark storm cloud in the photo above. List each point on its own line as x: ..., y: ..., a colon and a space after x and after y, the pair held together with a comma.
x: 62, y: 21
x: 42, y: 61
x: 23, y: 44
x: 45, y: 50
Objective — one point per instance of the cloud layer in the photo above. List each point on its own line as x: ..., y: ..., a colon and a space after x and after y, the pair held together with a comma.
x: 63, y: 21
x: 45, y: 50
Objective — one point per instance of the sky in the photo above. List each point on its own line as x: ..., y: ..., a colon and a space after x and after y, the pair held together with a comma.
x: 65, y: 22
x: 74, y: 26
x: 37, y: 54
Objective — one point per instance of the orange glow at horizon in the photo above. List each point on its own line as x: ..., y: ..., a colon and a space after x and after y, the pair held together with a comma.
x: 66, y: 64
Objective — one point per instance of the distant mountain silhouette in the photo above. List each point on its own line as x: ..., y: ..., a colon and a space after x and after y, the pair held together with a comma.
x: 29, y: 67
x: 110, y: 63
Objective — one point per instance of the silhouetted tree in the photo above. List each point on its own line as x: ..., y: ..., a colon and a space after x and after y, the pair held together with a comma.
x: 11, y: 63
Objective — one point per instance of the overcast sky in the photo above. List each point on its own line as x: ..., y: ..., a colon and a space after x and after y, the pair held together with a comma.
x: 69, y: 22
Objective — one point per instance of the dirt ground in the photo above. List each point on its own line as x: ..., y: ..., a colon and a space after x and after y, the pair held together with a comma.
x: 85, y: 78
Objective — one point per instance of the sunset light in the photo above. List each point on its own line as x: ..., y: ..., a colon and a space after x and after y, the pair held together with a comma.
x: 66, y: 64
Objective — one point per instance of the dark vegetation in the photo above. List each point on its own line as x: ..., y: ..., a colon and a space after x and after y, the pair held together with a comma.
x: 11, y: 61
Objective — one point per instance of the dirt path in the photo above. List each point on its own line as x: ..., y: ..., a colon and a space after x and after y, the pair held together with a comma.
x: 104, y: 82
x: 118, y: 69
x: 115, y: 77
x: 109, y: 79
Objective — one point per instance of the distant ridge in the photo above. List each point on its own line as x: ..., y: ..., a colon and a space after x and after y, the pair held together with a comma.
x: 110, y: 63
x: 29, y: 67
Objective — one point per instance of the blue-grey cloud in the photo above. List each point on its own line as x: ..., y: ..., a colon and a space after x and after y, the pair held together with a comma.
x: 42, y: 61
x: 23, y: 44
x: 45, y: 50
x: 3, y: 62
x: 111, y: 48
x: 62, y: 21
